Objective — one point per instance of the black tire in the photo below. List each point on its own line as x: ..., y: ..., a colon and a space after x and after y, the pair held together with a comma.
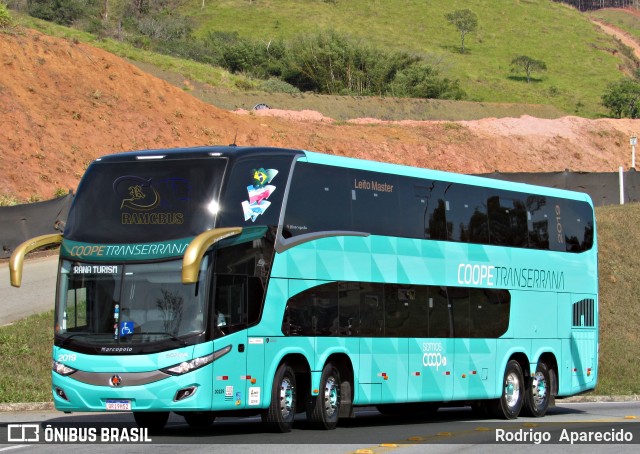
x: 323, y: 410
x: 279, y: 416
x: 511, y: 399
x: 152, y: 420
x: 199, y: 420
x: 538, y: 395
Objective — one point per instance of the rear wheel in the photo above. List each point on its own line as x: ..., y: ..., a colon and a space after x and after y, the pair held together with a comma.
x: 538, y: 395
x: 323, y: 409
x: 152, y: 420
x: 279, y: 416
x: 510, y: 403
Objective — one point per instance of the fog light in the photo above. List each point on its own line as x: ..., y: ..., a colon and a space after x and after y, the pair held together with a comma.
x: 184, y: 393
x: 60, y: 393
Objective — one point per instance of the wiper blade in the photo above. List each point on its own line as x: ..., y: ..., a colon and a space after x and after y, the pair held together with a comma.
x: 68, y: 338
x: 160, y: 333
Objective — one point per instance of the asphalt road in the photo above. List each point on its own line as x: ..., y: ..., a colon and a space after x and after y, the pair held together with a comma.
x: 37, y: 293
x: 450, y: 430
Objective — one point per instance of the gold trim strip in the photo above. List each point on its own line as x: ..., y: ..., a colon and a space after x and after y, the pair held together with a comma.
x: 16, y: 261
x: 196, y: 249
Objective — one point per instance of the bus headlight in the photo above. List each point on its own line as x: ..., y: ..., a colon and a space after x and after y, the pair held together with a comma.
x: 62, y: 369
x: 196, y: 363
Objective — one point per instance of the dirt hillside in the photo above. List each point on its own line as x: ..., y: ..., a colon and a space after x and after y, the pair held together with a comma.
x: 63, y: 103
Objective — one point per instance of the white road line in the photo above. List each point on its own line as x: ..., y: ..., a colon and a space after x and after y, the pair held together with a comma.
x: 8, y: 448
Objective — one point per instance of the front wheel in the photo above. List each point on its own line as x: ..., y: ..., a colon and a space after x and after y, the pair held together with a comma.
x: 323, y: 409
x: 511, y: 399
x: 279, y: 416
x: 537, y: 396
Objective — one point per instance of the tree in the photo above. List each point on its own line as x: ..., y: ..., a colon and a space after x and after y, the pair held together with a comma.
x: 528, y: 65
x: 622, y: 98
x: 465, y: 21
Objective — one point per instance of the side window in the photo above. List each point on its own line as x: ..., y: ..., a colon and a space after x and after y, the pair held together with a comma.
x: 507, y: 219
x: 319, y: 200
x: 371, y: 310
x: 397, y: 304
x: 414, y: 196
x: 460, y: 310
x: 466, y: 213
x: 255, y: 192
x: 439, y: 312
x: 539, y: 220
x: 374, y: 203
x: 489, y: 312
x: 577, y: 222
x: 313, y: 312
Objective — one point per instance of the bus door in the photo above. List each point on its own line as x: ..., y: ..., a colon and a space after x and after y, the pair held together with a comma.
x: 583, y: 341
x: 431, y: 348
x: 231, y: 382
x: 478, y: 318
x: 383, y: 369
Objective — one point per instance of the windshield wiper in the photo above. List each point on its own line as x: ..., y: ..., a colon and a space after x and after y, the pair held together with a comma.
x: 159, y: 333
x: 68, y: 338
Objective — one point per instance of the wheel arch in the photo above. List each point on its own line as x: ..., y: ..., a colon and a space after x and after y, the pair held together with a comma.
x: 300, y: 365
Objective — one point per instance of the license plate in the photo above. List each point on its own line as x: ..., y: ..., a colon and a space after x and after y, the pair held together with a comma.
x: 118, y: 405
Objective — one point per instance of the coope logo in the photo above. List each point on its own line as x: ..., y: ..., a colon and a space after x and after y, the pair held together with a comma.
x: 434, y: 360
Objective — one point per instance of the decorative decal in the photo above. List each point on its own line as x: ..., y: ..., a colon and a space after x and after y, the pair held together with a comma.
x: 141, y: 202
x: 254, y: 395
x: 259, y: 191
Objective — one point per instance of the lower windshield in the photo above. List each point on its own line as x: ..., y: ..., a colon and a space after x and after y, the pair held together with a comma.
x: 116, y: 304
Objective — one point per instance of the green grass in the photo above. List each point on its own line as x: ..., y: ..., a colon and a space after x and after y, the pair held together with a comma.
x: 26, y: 359
x: 26, y: 345
x: 619, y: 262
x: 579, y: 59
x: 624, y: 21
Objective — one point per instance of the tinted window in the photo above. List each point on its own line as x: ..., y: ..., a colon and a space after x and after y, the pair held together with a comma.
x: 507, y: 219
x: 489, y: 312
x: 466, y: 213
x: 254, y: 191
x: 374, y: 203
x: 394, y: 310
x: 539, y: 219
x: 577, y: 225
x: 319, y: 200
x: 145, y: 201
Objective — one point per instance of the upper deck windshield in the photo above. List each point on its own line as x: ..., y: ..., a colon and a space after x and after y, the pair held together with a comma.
x: 135, y: 201
x: 120, y: 308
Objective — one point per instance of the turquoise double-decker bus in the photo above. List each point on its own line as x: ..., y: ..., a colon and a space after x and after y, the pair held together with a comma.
x: 220, y: 281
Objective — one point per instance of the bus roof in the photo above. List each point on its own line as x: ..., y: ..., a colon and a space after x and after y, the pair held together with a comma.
x: 235, y: 152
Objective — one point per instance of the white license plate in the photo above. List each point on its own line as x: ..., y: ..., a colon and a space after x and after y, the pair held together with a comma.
x: 118, y: 405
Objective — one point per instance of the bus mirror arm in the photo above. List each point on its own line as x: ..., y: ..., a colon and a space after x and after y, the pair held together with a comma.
x: 16, y: 261
x: 198, y: 246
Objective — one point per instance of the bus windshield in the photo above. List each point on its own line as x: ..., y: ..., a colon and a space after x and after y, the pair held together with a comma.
x: 128, y: 304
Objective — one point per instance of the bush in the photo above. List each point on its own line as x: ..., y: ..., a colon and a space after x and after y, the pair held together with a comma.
x: 622, y: 98
x: 5, y: 18
x: 64, y: 12
x: 278, y: 86
x: 8, y: 200
x: 60, y: 192
x: 423, y: 81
